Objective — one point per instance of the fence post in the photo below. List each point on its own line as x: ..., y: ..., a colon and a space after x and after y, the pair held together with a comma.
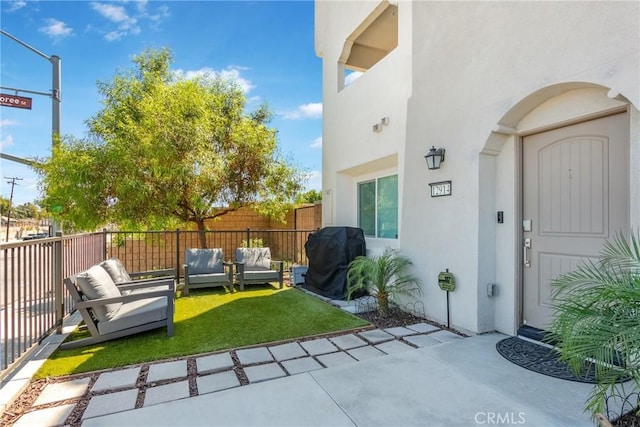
x: 104, y: 243
x: 177, y: 255
x: 248, y: 237
x: 57, y: 281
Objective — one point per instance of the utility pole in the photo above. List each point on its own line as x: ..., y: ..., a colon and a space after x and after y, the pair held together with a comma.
x: 13, y: 183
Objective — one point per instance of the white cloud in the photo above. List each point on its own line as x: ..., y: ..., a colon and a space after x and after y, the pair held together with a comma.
x: 7, y: 122
x: 6, y: 141
x: 15, y: 5
x: 56, y: 29
x: 128, y: 21
x: 113, y: 13
x: 311, y: 110
x: 231, y: 73
x: 352, y: 77
x: 317, y: 143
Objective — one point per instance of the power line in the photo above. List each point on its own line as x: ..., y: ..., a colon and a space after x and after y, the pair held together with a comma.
x: 13, y: 183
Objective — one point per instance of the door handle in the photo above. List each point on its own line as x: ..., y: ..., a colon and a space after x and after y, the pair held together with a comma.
x: 527, y: 246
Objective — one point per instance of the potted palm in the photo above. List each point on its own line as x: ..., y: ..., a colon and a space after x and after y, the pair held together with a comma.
x: 596, y: 322
x: 385, y: 276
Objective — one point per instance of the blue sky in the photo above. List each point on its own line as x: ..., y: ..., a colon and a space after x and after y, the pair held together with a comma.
x: 266, y: 45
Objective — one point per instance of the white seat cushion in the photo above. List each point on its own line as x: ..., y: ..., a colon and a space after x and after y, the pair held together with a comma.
x: 135, y: 313
x: 266, y: 275
x: 208, y: 278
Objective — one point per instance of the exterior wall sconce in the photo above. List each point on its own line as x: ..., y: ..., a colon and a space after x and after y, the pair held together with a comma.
x: 434, y: 157
x: 378, y: 126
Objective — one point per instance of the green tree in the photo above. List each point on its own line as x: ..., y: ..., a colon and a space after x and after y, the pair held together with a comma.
x: 310, y: 196
x: 5, y: 204
x: 164, y: 150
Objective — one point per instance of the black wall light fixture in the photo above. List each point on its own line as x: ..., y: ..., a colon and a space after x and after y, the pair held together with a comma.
x: 434, y: 158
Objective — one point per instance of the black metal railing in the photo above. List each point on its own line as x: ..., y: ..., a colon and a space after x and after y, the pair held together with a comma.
x: 33, y: 302
x: 153, y: 250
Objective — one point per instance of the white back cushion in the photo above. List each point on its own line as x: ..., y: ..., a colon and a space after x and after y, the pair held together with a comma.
x: 116, y: 270
x: 96, y: 283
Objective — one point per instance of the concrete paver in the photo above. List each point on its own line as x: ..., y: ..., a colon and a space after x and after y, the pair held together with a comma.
x: 64, y: 390
x: 399, y: 331
x: 319, y: 346
x: 304, y: 364
x: 264, y: 372
x: 376, y: 336
x: 475, y: 379
x: 214, y: 362
x: 117, y: 379
x: 336, y: 359
x: 287, y: 351
x: 346, y: 342
x: 111, y: 402
x: 167, y: 370
x: 217, y: 382
x: 166, y: 393
x: 421, y: 340
x: 392, y: 347
x: 53, y: 416
x: 364, y: 353
x: 423, y: 327
x: 445, y: 336
x: 248, y: 356
x: 292, y: 401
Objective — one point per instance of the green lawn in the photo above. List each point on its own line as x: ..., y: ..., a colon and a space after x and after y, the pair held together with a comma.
x: 208, y: 321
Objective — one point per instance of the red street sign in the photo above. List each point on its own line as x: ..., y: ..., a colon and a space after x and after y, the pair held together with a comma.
x: 15, y: 101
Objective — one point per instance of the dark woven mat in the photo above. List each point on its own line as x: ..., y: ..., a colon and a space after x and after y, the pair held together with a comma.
x: 541, y: 359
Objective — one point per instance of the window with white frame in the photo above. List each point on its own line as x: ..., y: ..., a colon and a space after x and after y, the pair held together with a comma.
x: 378, y: 207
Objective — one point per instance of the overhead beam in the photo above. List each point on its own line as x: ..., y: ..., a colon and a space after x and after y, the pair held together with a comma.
x: 28, y: 162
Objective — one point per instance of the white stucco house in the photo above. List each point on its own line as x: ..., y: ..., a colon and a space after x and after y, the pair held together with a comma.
x: 536, y: 105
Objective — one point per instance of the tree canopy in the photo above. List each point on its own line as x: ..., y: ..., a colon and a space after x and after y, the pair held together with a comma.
x: 310, y: 196
x: 166, y: 149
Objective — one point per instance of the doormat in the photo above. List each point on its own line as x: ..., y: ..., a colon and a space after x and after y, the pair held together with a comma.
x: 541, y: 359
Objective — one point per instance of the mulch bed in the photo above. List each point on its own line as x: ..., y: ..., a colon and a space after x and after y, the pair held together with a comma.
x: 629, y: 420
x: 395, y: 318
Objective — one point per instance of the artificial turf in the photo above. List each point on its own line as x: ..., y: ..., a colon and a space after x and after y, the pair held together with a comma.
x: 209, y: 321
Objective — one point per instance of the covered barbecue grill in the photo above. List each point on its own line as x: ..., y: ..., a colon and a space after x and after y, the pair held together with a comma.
x: 330, y: 250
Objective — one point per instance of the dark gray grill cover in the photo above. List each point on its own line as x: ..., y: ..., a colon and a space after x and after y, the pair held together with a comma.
x: 330, y: 250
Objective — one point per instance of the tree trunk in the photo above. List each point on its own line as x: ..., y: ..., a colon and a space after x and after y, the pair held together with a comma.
x: 202, y: 236
x: 383, y: 304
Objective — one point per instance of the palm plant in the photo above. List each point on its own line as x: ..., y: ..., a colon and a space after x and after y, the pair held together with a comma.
x: 384, y: 275
x: 597, y: 319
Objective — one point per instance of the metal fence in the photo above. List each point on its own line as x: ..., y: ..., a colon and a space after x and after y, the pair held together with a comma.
x: 32, y: 299
x: 153, y: 250
x: 33, y: 302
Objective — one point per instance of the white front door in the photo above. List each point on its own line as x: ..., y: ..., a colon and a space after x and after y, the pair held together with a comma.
x: 575, y: 196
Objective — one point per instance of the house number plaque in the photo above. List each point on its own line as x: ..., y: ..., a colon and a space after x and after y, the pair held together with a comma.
x: 439, y: 189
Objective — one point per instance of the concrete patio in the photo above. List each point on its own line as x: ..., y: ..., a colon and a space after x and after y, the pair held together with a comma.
x: 458, y: 382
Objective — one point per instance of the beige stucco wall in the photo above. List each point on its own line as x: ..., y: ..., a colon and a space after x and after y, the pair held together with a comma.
x: 473, y: 66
